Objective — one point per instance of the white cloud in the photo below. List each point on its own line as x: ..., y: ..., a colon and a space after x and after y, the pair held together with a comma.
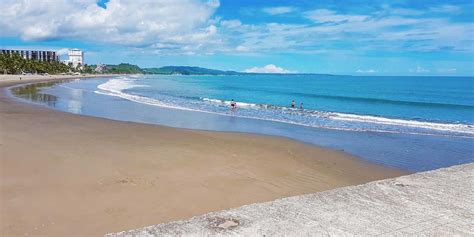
x: 392, y: 29
x: 231, y: 23
x: 419, y: 69
x: 278, y: 10
x: 213, y: 3
x: 123, y: 22
x: 62, y: 51
x: 242, y: 48
x: 446, y: 9
x: 447, y: 70
x: 366, y: 71
x: 325, y: 15
x: 270, y: 68
x: 191, y: 26
x: 406, y: 12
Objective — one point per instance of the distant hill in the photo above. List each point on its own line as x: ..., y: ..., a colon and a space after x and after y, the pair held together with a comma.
x: 124, y: 68
x: 184, y: 70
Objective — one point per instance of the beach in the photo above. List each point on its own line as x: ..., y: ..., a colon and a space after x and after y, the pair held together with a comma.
x: 410, y: 205
x: 65, y: 174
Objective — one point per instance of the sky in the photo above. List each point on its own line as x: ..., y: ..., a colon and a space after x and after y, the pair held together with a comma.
x: 379, y: 37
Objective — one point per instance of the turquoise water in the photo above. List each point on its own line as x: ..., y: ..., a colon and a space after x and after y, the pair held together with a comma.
x: 420, y: 105
x: 410, y: 123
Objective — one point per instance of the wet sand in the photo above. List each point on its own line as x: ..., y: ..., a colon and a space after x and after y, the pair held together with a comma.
x: 64, y: 174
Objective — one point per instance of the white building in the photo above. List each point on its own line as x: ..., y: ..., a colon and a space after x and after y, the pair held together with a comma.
x: 100, y: 68
x: 76, y: 57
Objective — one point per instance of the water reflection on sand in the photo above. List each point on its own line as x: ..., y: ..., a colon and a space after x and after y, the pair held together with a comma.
x: 33, y: 92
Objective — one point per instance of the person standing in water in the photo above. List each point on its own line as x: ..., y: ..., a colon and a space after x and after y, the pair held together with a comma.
x: 233, y: 105
x: 293, y: 104
x: 301, y: 105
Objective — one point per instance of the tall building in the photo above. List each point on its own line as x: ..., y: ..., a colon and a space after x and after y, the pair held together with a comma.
x: 76, y: 57
x: 38, y: 55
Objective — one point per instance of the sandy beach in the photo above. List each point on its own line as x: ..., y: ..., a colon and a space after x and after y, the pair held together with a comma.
x: 71, y: 175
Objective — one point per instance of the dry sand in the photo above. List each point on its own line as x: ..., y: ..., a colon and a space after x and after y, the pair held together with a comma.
x: 64, y: 174
x: 411, y: 205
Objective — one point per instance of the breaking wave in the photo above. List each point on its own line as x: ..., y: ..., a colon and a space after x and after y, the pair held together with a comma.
x: 120, y: 87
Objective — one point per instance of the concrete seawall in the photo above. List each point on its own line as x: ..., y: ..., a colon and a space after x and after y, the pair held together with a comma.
x: 439, y: 202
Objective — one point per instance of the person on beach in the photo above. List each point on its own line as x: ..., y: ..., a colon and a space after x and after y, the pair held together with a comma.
x: 301, y: 105
x: 293, y: 104
x: 233, y: 105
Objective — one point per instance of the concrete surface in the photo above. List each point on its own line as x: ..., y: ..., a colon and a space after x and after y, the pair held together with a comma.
x: 434, y: 203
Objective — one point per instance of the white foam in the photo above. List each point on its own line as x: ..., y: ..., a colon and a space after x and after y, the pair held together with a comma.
x: 115, y: 87
x: 228, y: 102
x: 461, y: 128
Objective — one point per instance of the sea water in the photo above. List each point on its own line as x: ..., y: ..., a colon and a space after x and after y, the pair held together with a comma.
x: 411, y: 123
x: 420, y: 105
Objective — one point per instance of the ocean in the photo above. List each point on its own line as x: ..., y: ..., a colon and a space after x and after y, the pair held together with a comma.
x: 425, y: 105
x: 415, y: 123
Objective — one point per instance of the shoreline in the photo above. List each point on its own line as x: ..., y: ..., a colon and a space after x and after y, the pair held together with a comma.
x: 61, y: 170
x: 14, y: 80
x: 90, y: 76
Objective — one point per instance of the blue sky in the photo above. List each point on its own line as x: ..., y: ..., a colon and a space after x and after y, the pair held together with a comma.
x: 338, y: 37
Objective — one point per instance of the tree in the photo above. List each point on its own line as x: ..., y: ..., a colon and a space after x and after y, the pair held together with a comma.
x: 15, y: 64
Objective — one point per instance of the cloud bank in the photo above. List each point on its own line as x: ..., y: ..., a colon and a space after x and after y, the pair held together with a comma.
x: 418, y: 69
x: 270, y: 68
x: 191, y: 27
x: 161, y: 23
x: 447, y: 70
x: 366, y: 71
x: 278, y: 10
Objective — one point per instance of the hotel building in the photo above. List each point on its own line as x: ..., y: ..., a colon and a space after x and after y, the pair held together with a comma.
x: 76, y: 57
x: 38, y: 55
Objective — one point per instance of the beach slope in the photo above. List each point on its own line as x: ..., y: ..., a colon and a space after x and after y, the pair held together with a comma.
x: 433, y: 203
x: 61, y: 171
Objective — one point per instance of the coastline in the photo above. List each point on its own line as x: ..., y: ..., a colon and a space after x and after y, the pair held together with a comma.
x: 10, y: 80
x: 61, y: 170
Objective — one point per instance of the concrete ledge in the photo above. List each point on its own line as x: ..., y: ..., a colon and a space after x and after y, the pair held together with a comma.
x: 439, y: 202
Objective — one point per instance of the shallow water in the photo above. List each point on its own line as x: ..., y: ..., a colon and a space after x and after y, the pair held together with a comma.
x: 429, y: 106
x: 401, y: 142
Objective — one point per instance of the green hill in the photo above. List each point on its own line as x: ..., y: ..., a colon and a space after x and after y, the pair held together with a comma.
x: 185, y: 70
x: 124, y: 68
